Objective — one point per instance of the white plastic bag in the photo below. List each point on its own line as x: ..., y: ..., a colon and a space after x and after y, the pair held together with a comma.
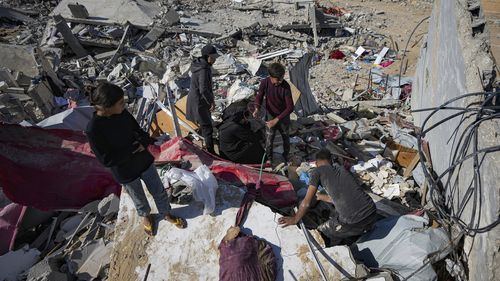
x: 201, y: 181
x: 206, y: 193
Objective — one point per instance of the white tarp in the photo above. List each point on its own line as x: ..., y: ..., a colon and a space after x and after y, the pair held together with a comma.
x: 402, y: 244
x: 75, y: 119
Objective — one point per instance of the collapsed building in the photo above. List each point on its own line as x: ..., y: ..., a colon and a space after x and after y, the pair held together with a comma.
x: 420, y: 137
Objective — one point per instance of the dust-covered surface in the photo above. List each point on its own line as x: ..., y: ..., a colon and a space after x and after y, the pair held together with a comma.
x: 192, y: 253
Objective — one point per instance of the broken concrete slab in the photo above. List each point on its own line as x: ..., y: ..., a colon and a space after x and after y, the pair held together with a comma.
x: 18, y: 58
x: 139, y: 13
x: 48, y: 270
x: 109, y: 205
x: 15, y: 262
x: 288, y: 36
x: 69, y: 38
x: 172, y: 17
x: 150, y: 38
x: 13, y: 15
x: 88, y: 262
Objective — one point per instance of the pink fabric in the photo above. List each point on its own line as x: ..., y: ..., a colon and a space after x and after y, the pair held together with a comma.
x: 386, y: 63
x: 10, y: 218
x: 51, y: 169
x: 275, y: 191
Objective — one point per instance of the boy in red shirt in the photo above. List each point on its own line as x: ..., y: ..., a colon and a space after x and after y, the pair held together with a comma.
x: 279, y: 106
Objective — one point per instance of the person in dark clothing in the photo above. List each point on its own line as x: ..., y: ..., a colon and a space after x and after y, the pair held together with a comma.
x: 238, y: 142
x: 200, y: 101
x: 279, y: 106
x: 121, y: 145
x: 355, y: 212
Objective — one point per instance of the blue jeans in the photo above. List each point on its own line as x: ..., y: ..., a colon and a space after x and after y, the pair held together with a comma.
x: 154, y: 186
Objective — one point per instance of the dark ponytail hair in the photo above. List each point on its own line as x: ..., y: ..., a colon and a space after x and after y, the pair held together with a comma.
x: 106, y: 95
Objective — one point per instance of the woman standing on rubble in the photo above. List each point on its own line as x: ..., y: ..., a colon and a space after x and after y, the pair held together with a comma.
x: 200, y: 101
x: 120, y: 144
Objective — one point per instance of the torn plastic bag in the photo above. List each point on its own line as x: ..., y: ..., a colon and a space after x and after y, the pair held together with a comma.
x: 403, y: 245
x: 201, y: 181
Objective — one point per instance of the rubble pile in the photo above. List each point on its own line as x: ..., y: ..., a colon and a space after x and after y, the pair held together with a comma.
x: 64, y: 245
x: 337, y: 56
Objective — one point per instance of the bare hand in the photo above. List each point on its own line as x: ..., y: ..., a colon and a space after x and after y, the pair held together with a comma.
x: 272, y: 123
x: 139, y: 149
x: 255, y: 113
x: 212, y: 107
x: 286, y: 221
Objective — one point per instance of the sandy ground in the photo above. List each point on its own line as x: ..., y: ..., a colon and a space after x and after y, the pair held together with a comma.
x: 395, y: 21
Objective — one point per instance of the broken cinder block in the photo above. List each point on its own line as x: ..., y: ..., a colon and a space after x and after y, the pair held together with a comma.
x: 78, y: 10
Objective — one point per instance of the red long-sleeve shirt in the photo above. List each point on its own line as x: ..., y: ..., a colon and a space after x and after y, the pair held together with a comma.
x: 279, y: 102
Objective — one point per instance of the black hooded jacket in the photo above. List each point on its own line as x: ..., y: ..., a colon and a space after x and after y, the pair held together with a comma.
x: 238, y: 142
x: 200, y: 96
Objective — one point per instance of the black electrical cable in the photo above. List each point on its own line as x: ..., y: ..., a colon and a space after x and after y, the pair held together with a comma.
x: 468, y: 138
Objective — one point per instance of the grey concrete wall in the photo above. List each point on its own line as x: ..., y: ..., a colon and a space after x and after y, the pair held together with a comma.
x: 454, y: 59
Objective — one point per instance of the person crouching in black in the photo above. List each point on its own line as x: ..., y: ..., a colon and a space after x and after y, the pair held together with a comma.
x: 237, y: 141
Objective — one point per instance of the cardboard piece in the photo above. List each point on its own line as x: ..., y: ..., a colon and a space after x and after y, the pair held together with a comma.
x: 295, y: 92
x: 164, y: 123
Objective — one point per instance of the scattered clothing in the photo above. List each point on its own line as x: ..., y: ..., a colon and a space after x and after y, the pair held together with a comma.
x: 336, y: 55
x: 113, y: 140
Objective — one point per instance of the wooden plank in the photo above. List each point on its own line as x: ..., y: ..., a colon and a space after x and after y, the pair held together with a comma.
x: 411, y: 166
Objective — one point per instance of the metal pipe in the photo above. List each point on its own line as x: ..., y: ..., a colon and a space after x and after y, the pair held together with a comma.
x: 309, y: 243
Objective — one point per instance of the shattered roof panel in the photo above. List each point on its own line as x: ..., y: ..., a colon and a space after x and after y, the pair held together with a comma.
x: 139, y: 13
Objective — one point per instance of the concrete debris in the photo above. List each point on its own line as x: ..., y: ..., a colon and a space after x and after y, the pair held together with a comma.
x: 16, y: 262
x: 354, y: 103
x: 109, y: 205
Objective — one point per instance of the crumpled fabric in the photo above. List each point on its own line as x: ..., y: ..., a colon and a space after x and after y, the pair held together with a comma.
x: 51, y: 169
x: 247, y: 258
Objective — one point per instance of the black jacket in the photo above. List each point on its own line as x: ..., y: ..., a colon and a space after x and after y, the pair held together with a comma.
x: 112, y: 141
x: 239, y: 143
x: 200, y: 96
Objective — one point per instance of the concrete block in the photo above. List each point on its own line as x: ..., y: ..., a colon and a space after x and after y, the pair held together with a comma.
x: 78, y: 10
x: 172, y: 17
x: 3, y: 85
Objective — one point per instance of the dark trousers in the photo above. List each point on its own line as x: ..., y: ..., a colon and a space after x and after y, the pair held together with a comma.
x: 282, y: 128
x: 207, y: 130
x: 337, y: 233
